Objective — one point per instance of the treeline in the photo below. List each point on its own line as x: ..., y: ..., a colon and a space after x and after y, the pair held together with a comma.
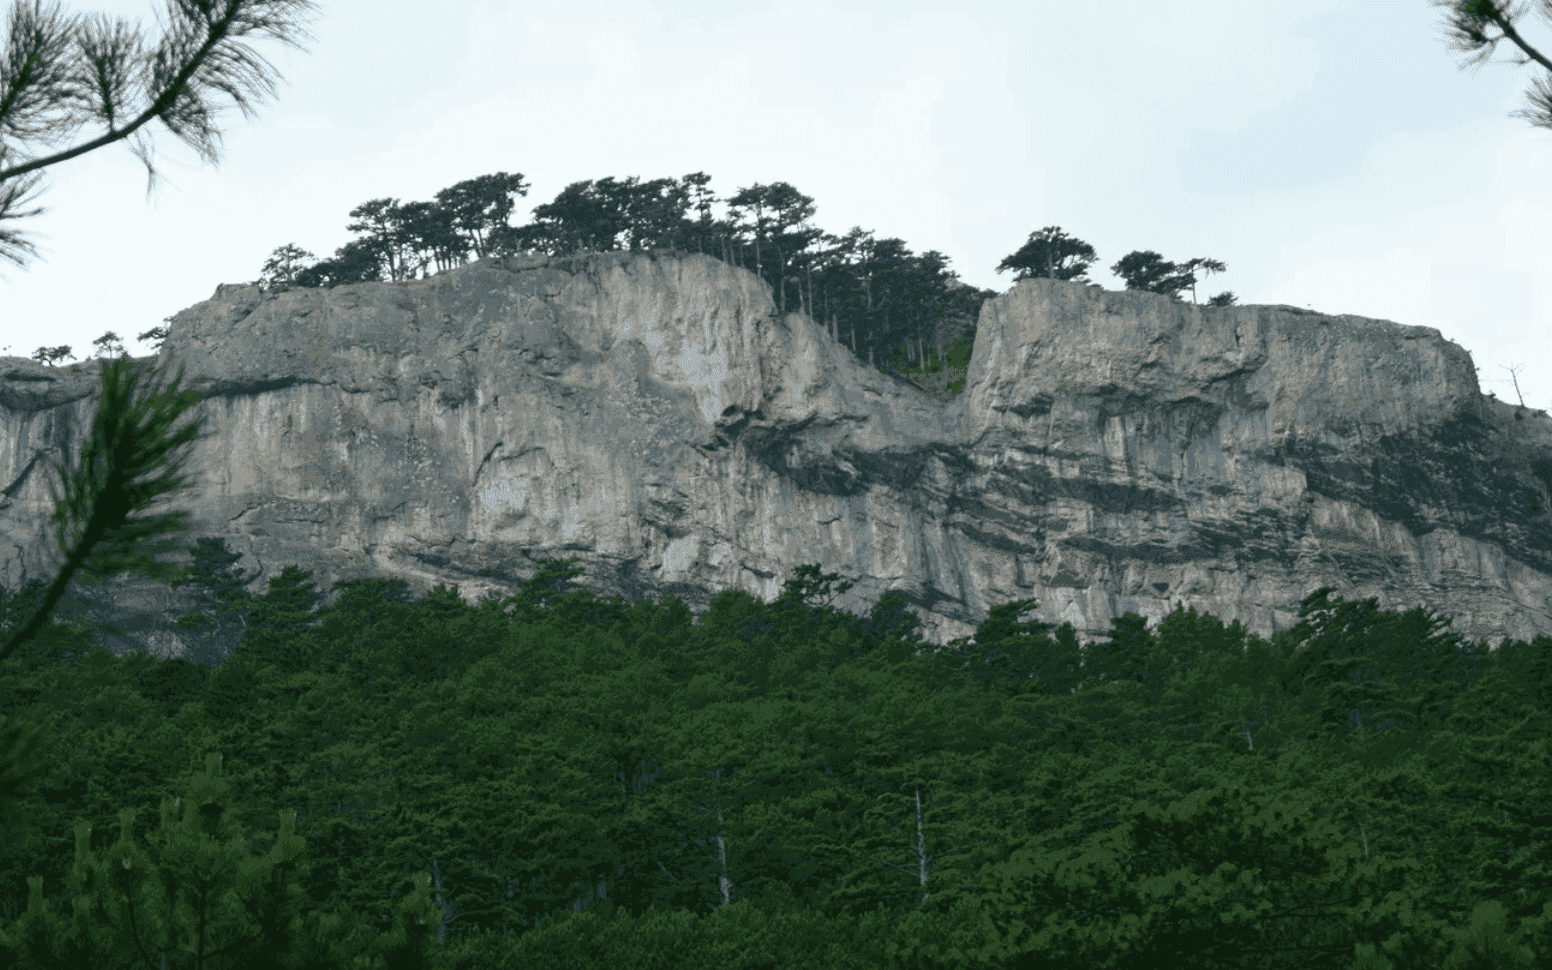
x: 558, y: 780
x: 874, y: 295
x: 895, y: 309
x: 871, y: 294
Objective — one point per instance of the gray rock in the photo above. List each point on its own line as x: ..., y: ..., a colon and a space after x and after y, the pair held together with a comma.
x: 652, y: 414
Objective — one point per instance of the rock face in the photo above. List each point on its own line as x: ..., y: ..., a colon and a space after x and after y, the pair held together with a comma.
x: 653, y: 415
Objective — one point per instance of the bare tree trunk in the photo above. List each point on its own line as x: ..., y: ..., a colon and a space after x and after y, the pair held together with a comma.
x: 723, y: 882
x: 440, y: 901
x: 921, y: 847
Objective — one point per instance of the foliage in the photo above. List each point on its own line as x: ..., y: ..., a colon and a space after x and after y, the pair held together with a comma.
x: 1468, y: 19
x: 195, y: 895
x: 872, y: 295
x: 129, y: 439
x: 922, y: 360
x: 586, y: 782
x: 1046, y: 254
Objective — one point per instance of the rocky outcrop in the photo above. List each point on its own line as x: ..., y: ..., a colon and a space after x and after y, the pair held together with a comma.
x: 655, y: 416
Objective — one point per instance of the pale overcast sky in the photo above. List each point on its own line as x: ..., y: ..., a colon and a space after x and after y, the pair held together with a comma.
x: 1334, y: 155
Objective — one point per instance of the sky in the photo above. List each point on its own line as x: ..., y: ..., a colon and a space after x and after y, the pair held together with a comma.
x: 1338, y: 156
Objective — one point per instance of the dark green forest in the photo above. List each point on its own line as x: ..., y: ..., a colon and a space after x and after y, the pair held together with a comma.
x: 557, y: 780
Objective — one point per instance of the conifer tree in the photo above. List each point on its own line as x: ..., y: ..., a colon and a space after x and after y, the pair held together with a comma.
x: 194, y: 896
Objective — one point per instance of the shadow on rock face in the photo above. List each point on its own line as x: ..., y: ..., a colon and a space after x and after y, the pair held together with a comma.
x: 657, y: 418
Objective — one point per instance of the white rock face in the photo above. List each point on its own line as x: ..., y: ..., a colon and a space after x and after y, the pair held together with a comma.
x: 653, y: 415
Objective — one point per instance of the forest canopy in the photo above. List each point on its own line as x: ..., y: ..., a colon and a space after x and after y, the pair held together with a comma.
x: 787, y: 784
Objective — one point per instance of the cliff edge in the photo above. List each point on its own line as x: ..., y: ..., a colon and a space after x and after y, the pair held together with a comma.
x: 655, y: 416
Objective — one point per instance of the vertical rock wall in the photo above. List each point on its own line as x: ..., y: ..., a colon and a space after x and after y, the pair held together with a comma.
x: 655, y: 416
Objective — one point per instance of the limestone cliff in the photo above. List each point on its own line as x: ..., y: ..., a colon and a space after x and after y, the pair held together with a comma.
x: 655, y: 416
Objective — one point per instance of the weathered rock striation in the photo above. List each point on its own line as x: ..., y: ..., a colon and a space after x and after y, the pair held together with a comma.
x: 653, y: 415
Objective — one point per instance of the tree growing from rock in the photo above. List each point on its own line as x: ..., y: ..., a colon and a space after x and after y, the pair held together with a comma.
x: 1046, y: 254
